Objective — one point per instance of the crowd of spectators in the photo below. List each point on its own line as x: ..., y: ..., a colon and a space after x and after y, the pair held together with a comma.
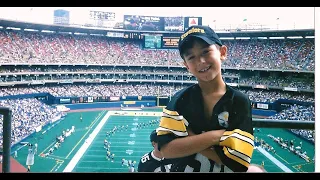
x: 299, y: 113
x: 35, y: 47
x: 27, y: 115
x: 142, y: 89
x: 25, y: 73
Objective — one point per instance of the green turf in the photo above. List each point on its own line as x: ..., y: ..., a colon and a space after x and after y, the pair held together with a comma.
x: 287, y: 158
x: 258, y: 157
x: 61, y: 157
x: 130, y: 144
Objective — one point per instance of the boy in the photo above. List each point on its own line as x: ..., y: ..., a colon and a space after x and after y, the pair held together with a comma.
x: 208, y: 126
x: 153, y: 160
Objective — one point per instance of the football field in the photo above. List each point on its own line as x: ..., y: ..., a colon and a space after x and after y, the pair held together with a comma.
x: 84, y: 150
x: 128, y: 144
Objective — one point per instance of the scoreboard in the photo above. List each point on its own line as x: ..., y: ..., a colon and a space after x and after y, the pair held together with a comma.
x: 132, y: 35
x: 170, y: 42
x: 160, y: 41
x: 152, y: 41
x: 144, y: 23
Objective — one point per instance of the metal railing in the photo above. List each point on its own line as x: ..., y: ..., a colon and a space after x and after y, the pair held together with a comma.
x: 6, y: 112
x: 285, y: 124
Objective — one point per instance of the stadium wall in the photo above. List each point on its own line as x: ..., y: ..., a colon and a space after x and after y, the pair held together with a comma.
x: 278, y: 103
x: 50, y: 99
x: 44, y: 97
x: 90, y: 99
x: 120, y: 104
x: 16, y: 146
x: 75, y: 103
x: 259, y: 112
x: 45, y: 127
x: 117, y: 104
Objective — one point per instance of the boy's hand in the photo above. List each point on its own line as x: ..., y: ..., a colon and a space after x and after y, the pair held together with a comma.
x: 210, y: 152
x: 190, y: 133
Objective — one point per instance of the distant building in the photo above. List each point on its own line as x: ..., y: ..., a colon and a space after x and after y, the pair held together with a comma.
x: 61, y: 17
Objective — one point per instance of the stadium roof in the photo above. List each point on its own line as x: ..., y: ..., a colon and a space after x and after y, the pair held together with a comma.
x: 274, y: 33
x: 50, y: 27
x: 91, y: 30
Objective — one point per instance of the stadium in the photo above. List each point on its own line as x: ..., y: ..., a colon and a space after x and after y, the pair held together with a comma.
x: 71, y: 87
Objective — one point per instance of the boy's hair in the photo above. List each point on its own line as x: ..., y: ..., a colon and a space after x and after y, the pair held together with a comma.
x: 188, y: 45
x: 153, y: 136
x: 205, y: 33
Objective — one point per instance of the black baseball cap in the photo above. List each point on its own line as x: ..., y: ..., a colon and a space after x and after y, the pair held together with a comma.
x: 153, y: 136
x: 203, y: 32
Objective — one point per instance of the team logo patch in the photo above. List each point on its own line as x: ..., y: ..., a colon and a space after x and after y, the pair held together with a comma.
x: 223, y: 119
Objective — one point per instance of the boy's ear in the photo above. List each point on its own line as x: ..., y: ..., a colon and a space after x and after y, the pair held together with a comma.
x: 186, y: 65
x: 153, y: 143
x: 223, y: 52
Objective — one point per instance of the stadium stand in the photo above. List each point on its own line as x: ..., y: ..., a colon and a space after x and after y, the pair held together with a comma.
x: 69, y: 65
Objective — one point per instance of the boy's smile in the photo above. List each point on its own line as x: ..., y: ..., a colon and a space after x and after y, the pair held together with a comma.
x: 203, y: 60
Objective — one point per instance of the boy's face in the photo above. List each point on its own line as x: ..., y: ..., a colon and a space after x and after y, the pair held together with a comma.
x: 204, y: 61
